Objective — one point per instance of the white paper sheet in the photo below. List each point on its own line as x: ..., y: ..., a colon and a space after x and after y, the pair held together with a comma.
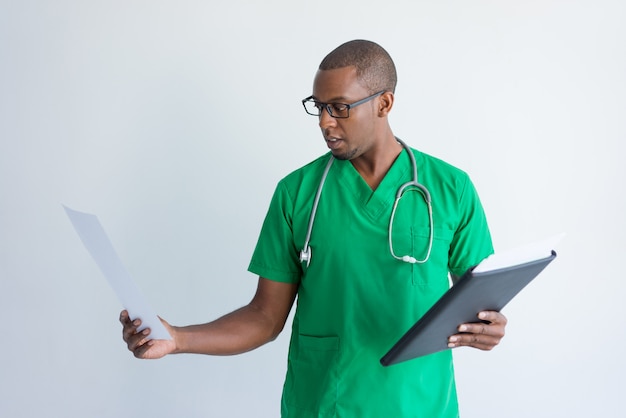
x: 99, y: 246
x: 520, y: 255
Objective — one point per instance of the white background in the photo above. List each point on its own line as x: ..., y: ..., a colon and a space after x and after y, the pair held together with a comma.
x: 173, y: 121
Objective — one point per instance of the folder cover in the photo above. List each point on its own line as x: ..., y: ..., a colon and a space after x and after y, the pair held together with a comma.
x: 477, y: 290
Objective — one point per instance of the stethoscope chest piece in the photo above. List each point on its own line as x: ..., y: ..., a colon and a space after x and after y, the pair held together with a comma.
x: 305, y: 255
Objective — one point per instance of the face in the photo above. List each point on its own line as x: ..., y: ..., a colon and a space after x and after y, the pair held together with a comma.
x: 354, y: 136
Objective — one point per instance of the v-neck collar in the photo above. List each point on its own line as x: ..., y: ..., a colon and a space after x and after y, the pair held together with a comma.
x: 376, y: 201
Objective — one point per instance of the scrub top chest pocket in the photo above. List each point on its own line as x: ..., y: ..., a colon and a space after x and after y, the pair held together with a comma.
x: 411, y: 236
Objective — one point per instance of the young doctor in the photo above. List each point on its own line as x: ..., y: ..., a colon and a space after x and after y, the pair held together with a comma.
x: 365, y: 236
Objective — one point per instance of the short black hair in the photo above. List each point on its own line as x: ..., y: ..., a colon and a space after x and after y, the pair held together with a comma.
x: 375, y: 69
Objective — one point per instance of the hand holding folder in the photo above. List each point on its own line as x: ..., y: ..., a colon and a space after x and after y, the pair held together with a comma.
x: 486, y: 287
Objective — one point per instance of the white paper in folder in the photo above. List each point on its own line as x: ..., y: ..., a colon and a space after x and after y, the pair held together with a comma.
x: 99, y: 246
x: 520, y: 255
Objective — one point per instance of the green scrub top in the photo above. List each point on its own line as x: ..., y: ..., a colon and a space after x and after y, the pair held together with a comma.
x: 354, y: 299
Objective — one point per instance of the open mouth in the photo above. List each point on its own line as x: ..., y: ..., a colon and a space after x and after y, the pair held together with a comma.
x: 333, y: 143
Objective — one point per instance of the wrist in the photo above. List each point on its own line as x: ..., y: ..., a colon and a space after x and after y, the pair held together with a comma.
x: 178, y: 338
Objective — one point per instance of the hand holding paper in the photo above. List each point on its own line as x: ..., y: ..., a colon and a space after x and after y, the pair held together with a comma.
x: 140, y: 343
x: 99, y: 246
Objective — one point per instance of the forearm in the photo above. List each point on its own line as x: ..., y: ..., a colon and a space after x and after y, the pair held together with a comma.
x: 242, y: 330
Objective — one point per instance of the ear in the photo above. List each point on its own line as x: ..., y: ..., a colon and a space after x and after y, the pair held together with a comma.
x: 385, y: 104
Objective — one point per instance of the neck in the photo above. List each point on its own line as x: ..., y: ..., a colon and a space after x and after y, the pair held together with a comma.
x: 374, y: 165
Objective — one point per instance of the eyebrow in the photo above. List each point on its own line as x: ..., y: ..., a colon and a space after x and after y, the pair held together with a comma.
x: 339, y: 99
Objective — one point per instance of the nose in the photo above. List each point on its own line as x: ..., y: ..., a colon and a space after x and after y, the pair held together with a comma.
x: 326, y: 120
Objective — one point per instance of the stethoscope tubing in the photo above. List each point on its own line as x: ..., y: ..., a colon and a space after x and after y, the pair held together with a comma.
x: 306, y: 254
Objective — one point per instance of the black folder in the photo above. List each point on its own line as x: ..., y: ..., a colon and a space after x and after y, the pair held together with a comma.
x: 473, y: 293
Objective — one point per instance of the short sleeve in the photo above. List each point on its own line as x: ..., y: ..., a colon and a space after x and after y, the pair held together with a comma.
x: 275, y: 256
x: 472, y: 240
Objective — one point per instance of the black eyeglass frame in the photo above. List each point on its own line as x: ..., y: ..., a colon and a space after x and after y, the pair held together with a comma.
x: 327, y: 106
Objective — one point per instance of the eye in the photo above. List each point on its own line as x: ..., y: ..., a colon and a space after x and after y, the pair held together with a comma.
x: 338, y: 108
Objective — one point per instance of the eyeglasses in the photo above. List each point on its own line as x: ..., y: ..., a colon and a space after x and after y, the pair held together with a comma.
x: 336, y: 110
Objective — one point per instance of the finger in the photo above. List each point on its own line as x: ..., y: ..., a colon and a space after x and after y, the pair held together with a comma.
x: 130, y: 329
x: 138, y: 339
x: 495, y: 330
x: 492, y: 323
x: 140, y: 351
x: 124, y: 318
x: 492, y: 317
x: 480, y: 341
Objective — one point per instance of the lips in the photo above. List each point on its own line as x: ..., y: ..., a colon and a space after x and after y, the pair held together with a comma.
x: 333, y: 143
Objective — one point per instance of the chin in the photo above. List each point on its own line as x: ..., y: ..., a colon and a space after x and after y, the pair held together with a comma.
x: 344, y: 155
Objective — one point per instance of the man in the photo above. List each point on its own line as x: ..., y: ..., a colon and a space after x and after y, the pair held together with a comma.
x: 368, y: 270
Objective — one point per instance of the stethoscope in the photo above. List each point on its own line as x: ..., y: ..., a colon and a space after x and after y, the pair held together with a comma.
x: 413, y: 185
